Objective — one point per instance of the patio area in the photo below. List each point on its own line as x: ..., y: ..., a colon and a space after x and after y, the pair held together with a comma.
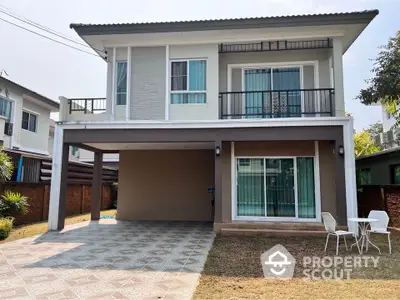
x: 107, y: 260
x: 233, y: 270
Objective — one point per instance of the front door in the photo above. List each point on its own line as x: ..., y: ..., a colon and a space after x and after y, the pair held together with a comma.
x: 272, y: 92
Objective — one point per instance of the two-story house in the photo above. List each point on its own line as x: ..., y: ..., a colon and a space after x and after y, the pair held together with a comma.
x: 24, y: 118
x: 252, y: 107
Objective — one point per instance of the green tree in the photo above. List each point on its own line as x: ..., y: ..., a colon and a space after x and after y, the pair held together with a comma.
x: 375, y: 129
x: 384, y: 86
x: 6, y: 167
x: 364, y: 144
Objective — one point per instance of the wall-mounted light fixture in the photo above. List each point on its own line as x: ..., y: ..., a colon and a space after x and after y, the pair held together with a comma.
x: 217, y: 151
x: 341, y: 150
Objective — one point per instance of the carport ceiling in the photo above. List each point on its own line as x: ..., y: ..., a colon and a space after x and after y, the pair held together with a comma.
x: 151, y: 146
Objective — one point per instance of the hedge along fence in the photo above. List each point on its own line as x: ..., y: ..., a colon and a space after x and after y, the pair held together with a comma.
x: 79, y: 199
x: 380, y: 197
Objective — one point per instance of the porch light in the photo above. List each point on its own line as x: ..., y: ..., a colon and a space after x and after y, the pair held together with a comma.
x: 217, y: 151
x: 341, y: 150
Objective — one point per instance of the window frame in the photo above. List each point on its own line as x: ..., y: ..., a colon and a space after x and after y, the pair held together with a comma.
x: 360, y: 176
x: 12, y: 102
x: 187, y: 91
x: 116, y: 82
x: 393, y: 173
x: 317, y: 195
x: 29, y: 112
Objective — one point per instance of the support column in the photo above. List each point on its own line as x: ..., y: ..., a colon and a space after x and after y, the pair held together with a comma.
x: 340, y: 185
x: 218, y: 183
x: 350, y: 174
x: 337, y: 55
x: 96, y: 185
x: 59, y: 177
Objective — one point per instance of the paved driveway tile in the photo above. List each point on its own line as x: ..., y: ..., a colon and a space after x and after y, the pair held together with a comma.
x: 107, y: 260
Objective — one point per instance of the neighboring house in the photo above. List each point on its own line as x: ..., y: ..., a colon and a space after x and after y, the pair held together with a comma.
x: 379, y: 168
x: 253, y: 107
x: 390, y: 137
x: 24, y: 118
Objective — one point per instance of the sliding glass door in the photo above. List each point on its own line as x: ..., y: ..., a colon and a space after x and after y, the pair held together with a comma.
x: 272, y: 92
x: 276, y: 187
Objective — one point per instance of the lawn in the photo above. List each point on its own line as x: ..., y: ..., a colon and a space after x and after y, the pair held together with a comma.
x: 39, y: 228
x: 233, y: 271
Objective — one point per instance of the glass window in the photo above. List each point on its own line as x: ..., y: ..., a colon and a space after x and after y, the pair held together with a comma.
x: 188, y: 81
x: 121, y: 78
x: 395, y: 174
x: 364, y: 176
x: 266, y: 187
x: 306, y: 187
x: 250, y: 187
x: 5, y: 108
x: 29, y: 121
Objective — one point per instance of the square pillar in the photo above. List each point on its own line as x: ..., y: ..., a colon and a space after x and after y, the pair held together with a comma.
x: 218, y: 183
x: 97, y: 186
x: 337, y: 55
x: 341, y: 202
x: 59, y: 178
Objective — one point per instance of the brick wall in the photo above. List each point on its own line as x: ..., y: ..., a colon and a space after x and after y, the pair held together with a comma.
x: 79, y: 198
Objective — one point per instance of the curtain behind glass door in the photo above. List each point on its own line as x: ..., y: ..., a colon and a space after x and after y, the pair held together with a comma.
x: 256, y: 81
x: 280, y: 188
x: 286, y: 103
x: 250, y: 187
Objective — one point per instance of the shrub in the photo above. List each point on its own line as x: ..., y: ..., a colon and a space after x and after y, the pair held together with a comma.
x: 5, y: 227
x: 6, y: 167
x: 12, y: 204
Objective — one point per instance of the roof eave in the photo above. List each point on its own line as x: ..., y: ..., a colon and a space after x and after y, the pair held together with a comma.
x: 268, y: 22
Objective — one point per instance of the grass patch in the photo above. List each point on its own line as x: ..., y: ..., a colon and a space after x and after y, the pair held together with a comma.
x: 29, y: 230
x: 233, y: 271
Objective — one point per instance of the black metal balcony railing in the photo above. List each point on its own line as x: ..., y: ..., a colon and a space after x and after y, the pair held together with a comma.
x: 87, y: 105
x: 276, y: 104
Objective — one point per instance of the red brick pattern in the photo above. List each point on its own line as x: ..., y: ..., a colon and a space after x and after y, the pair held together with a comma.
x: 79, y: 197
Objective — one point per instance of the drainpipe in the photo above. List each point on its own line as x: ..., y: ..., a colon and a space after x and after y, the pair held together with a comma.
x: 19, y: 170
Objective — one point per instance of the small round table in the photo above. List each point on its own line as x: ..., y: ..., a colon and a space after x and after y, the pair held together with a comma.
x: 363, y: 224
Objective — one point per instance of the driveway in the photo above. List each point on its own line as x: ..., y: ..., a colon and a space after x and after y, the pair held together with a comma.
x: 107, y: 260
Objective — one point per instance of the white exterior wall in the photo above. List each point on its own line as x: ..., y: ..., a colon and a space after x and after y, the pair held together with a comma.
x: 388, y: 120
x: 208, y: 110
x: 88, y: 156
x: 23, y: 139
x: 35, y: 140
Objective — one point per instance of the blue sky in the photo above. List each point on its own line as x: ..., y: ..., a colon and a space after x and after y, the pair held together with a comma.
x: 55, y: 70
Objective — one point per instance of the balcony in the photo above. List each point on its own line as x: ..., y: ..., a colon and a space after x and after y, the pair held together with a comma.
x: 294, y: 103
x: 87, y: 105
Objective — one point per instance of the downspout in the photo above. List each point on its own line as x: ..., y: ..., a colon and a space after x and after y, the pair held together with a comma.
x: 19, y: 170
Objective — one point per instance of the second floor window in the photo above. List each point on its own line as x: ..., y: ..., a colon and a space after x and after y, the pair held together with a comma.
x: 5, y: 108
x: 121, y: 83
x: 29, y: 121
x: 188, y: 81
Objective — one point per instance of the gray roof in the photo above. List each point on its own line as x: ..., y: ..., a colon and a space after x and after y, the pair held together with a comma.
x: 380, y: 153
x: 218, y: 24
x: 32, y: 94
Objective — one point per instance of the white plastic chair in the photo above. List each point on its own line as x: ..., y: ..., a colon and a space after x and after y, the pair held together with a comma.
x: 379, y: 226
x: 330, y: 227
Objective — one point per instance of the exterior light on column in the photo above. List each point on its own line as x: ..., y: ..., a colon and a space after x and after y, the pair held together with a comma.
x: 217, y: 151
x: 341, y: 150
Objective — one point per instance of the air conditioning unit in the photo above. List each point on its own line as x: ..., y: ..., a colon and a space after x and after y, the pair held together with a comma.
x: 390, y: 136
x: 8, y: 128
x: 378, y: 139
x: 385, y: 139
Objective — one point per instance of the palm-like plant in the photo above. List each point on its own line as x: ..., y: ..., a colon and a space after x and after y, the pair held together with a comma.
x: 6, y: 167
x: 12, y: 203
